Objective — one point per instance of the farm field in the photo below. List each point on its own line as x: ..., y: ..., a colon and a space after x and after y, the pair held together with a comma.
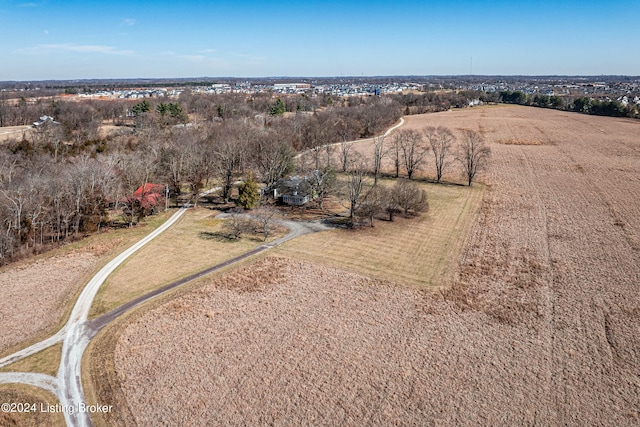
x: 541, y: 325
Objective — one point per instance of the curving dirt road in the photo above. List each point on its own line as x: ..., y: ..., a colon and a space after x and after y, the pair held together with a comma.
x: 388, y: 131
x: 67, y: 385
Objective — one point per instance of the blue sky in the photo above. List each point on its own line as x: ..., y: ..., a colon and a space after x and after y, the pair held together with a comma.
x: 42, y: 40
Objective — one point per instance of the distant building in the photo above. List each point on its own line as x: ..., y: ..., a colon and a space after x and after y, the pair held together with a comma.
x: 292, y: 86
x: 45, y: 120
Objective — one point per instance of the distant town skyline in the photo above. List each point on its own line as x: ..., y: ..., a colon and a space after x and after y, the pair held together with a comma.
x: 45, y: 40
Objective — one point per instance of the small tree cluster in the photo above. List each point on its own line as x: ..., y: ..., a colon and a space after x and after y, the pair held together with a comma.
x: 403, y: 197
x: 262, y: 222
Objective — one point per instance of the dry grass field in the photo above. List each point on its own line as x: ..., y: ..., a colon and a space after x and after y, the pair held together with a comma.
x: 196, y: 242
x: 540, y: 327
x: 35, y: 295
x: 413, y: 251
x: 13, y: 132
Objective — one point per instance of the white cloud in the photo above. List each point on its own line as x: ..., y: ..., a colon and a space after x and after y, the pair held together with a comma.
x: 129, y: 22
x: 71, y: 47
x: 195, y: 58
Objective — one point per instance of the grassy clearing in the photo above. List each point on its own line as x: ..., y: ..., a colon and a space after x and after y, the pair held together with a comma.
x: 197, y: 241
x: 420, y: 251
x: 18, y: 393
x: 47, y: 362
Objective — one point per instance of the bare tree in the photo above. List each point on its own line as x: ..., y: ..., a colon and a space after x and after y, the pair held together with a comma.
x: 36, y: 209
x: 410, y: 197
x: 356, y: 184
x: 322, y: 182
x: 440, y: 140
x: 9, y: 167
x: 15, y: 204
x: 345, y: 150
x: 378, y: 152
x: 173, y: 164
x: 413, y: 150
x: 49, y: 134
x: 389, y: 202
x: 395, y: 152
x: 197, y: 166
x: 265, y: 217
x: 273, y: 156
x: 237, y: 223
x: 227, y: 159
x: 473, y: 153
x: 316, y: 154
x: 372, y: 203
x: 329, y: 149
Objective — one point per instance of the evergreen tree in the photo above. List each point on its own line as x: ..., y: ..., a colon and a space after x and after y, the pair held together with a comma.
x: 249, y: 193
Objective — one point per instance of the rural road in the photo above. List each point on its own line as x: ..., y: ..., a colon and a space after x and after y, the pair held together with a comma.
x: 67, y: 385
x: 388, y: 131
x: 78, y: 331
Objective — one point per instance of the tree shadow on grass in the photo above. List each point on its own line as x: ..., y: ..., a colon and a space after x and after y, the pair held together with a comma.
x: 217, y: 236
x: 227, y: 237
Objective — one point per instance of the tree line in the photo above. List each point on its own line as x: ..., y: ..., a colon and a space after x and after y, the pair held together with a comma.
x: 611, y: 108
x: 408, y: 151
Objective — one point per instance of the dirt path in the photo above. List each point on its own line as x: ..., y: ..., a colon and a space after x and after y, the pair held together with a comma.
x: 387, y: 132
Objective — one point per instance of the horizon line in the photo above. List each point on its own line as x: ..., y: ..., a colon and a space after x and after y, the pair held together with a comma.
x: 87, y: 79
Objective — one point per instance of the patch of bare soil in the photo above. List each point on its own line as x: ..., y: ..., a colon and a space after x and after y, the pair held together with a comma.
x: 36, y: 294
x: 542, y: 326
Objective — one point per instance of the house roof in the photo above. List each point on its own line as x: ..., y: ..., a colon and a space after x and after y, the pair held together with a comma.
x: 149, y: 195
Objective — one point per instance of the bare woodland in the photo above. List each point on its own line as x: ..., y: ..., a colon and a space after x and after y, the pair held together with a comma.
x: 65, y: 179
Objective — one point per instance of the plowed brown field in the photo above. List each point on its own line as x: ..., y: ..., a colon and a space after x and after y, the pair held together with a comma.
x: 35, y: 295
x: 541, y: 327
